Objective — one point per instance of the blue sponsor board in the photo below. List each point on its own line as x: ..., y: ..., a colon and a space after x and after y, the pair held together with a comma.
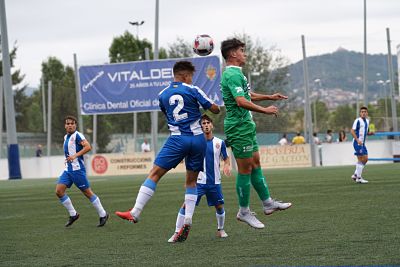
x: 134, y: 86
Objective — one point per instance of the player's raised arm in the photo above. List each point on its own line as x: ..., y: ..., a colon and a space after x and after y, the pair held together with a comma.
x: 244, y: 103
x: 259, y: 97
x: 214, y: 108
x: 206, y: 102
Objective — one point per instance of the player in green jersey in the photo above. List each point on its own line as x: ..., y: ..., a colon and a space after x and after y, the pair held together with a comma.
x: 240, y: 131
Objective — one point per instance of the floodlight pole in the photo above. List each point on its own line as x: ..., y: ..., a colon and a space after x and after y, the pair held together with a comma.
x: 391, y: 78
x: 49, y: 99
x: 44, y: 105
x: 398, y: 67
x: 94, y: 142
x: 137, y: 24
x: 14, y: 168
x: 78, y: 95
x: 1, y: 115
x: 154, y: 114
x: 307, y: 108
x: 365, y: 63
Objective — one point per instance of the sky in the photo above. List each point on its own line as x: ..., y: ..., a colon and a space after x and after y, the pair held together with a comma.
x: 60, y: 28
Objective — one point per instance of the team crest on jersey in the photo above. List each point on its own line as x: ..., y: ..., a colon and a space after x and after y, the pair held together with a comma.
x: 247, y: 148
x: 211, y: 72
x: 217, y: 146
x: 239, y: 89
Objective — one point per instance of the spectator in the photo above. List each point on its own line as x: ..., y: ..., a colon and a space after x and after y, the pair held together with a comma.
x: 39, y: 151
x: 316, y: 139
x: 283, y: 141
x: 371, y: 129
x: 390, y: 137
x: 342, y: 136
x: 328, y: 136
x: 145, y: 146
x: 298, y: 139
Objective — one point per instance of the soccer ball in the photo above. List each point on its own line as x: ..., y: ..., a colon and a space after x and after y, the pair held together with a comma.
x: 203, y: 45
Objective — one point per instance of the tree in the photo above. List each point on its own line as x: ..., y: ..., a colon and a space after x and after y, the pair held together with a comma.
x: 20, y: 99
x: 322, y: 114
x: 127, y: 48
x: 180, y: 49
x: 343, y: 117
x: 63, y: 94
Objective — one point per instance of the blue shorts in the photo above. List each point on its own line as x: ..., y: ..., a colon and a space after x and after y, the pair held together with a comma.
x: 360, y: 150
x: 192, y: 148
x: 213, y: 193
x: 74, y: 177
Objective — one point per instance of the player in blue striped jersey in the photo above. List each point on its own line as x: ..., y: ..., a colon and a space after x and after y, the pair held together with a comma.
x: 359, y: 131
x: 75, y: 146
x: 209, y: 180
x: 180, y: 102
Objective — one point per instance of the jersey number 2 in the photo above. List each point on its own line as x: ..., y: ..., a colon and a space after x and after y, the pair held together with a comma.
x: 172, y: 100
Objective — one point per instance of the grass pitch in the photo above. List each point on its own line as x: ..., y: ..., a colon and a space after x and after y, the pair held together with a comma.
x: 333, y: 221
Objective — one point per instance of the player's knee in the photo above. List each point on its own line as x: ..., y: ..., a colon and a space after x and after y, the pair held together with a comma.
x: 246, y: 169
x: 219, y: 209
x: 60, y: 193
x: 190, y: 183
x: 88, y: 193
x: 256, y: 163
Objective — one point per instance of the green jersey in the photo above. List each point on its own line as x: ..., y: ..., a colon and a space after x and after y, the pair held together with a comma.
x: 234, y: 84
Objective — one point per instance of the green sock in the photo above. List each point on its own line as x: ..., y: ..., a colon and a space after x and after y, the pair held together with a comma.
x: 259, y: 183
x: 243, y: 189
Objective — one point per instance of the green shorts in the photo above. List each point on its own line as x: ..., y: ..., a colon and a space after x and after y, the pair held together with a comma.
x: 242, y: 138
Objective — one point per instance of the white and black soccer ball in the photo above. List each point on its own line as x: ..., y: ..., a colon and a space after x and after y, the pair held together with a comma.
x: 203, y: 45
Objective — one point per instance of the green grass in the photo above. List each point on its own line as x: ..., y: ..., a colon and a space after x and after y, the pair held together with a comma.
x: 333, y: 221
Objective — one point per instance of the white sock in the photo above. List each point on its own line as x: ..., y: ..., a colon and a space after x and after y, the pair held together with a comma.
x: 267, y: 201
x: 359, y: 169
x: 145, y: 194
x: 179, y: 222
x: 97, y: 205
x: 220, y: 220
x: 190, y: 204
x: 244, y: 210
x: 67, y: 203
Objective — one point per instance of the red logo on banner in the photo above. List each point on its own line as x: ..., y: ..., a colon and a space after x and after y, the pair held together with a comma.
x: 99, y: 164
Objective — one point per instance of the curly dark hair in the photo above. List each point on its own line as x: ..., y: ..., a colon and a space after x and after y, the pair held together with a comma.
x: 181, y: 66
x: 70, y: 117
x: 230, y: 44
x: 205, y: 117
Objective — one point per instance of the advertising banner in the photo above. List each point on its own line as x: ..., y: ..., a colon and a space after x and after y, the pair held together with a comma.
x: 134, y: 86
x: 118, y: 164
x: 285, y: 156
x: 125, y: 164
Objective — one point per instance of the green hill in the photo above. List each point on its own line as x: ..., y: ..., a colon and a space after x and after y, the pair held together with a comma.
x: 341, y: 68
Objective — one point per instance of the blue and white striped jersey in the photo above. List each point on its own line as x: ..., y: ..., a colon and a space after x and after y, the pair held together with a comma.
x: 180, y: 103
x: 360, y: 127
x: 216, y: 149
x: 72, y: 145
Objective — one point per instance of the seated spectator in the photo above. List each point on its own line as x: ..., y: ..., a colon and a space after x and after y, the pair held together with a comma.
x: 39, y: 151
x: 283, y: 141
x: 390, y: 137
x: 328, y: 136
x: 145, y: 146
x: 298, y: 139
x: 342, y: 136
x: 316, y: 139
x: 371, y: 128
